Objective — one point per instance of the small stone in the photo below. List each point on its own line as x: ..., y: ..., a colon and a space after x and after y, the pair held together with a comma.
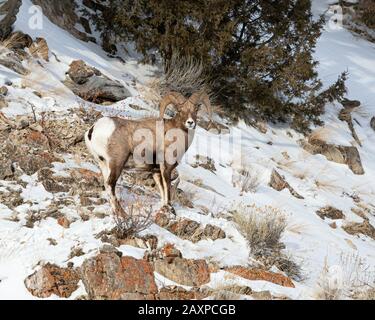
x: 333, y: 225
x: 6, y: 170
x: 64, y: 222
x: 372, y: 123
x: 330, y: 213
x: 3, y: 91
x: 262, y: 295
x: 22, y: 122
x: 351, y: 104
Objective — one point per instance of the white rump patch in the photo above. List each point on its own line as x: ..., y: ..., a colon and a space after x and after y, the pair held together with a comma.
x: 103, y: 130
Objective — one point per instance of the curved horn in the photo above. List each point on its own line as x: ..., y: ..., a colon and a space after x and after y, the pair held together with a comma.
x: 202, y: 97
x: 173, y: 97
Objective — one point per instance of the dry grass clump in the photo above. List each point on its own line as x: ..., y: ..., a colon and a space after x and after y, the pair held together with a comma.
x: 368, y: 294
x: 349, y: 279
x: 132, y: 219
x: 328, y: 185
x: 321, y: 134
x: 15, y: 40
x: 263, y: 228
x: 246, y: 179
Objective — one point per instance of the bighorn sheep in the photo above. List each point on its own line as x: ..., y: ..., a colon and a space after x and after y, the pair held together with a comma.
x: 113, y: 142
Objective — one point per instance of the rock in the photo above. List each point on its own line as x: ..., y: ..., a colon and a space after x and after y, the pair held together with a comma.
x: 364, y: 228
x: 51, y: 279
x: 259, y: 274
x: 11, y: 198
x: 213, y: 232
x: 8, y: 15
x: 64, y: 222
x: 204, y: 162
x: 85, y: 24
x: 91, y: 85
x: 63, y: 13
x: 3, y: 103
x: 110, y: 249
x: 352, y: 159
x: 330, y: 213
x: 179, y: 293
x: 30, y: 164
x: 279, y: 183
x: 80, y: 72
x: 107, y: 276
x: 87, y: 179
x: 10, y: 60
x: 3, y: 91
x: 231, y: 292
x: 372, y: 123
x: 100, y: 89
x: 186, y: 272
x: 53, y: 184
x: 66, y: 134
x: 170, y: 252
x: 350, y: 104
x: 148, y: 242
x: 18, y: 41
x: 262, y: 295
x: 346, y: 115
x: 212, y: 126
x: 348, y: 155
x: 39, y: 49
x: 6, y: 170
x: 189, y: 229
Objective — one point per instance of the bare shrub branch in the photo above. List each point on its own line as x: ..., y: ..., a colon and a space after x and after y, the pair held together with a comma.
x: 247, y: 180
x: 183, y: 74
x: 132, y: 219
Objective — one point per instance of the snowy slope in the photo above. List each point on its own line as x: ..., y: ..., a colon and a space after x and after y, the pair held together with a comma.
x: 308, y: 239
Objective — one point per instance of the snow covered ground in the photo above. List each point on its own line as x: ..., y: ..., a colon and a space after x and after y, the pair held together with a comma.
x: 308, y: 239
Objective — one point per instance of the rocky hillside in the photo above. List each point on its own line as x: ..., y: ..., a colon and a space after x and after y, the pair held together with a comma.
x: 294, y: 219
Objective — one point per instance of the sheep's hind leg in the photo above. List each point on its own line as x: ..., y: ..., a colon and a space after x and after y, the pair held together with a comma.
x: 111, y: 174
x: 166, y: 178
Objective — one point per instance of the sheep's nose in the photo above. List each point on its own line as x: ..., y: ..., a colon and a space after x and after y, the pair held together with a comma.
x: 190, y: 122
